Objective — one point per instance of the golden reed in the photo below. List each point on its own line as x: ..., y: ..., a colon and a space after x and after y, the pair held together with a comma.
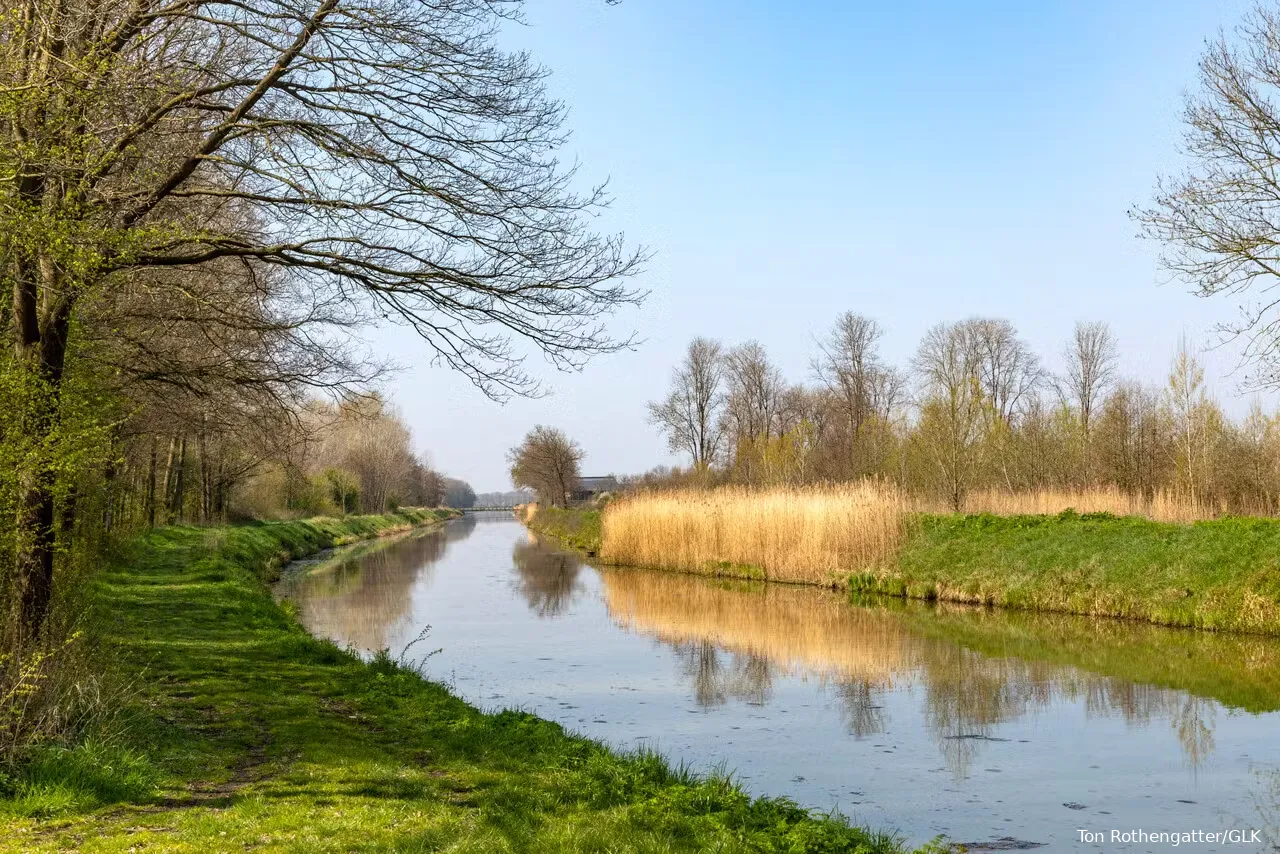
x: 812, y: 535
x: 819, y: 534
x: 1163, y: 507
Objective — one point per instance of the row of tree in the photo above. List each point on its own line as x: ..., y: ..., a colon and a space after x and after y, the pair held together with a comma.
x: 975, y: 408
x: 200, y: 205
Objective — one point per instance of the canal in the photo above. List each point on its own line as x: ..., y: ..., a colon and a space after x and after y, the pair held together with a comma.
x: 1002, y: 730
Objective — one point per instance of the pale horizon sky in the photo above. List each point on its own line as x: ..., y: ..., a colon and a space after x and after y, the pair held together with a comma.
x: 914, y: 162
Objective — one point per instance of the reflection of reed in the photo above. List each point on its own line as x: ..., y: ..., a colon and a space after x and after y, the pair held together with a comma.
x: 716, y: 627
x: 546, y: 577
x: 795, y: 628
x: 360, y: 598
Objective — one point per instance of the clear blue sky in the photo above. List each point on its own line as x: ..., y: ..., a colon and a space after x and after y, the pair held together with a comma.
x: 915, y: 162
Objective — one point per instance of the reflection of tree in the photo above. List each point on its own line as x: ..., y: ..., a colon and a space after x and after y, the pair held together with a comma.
x: 967, y: 695
x: 360, y: 595
x: 860, y: 700
x: 1267, y: 801
x: 720, y: 676
x: 1194, y: 724
x: 545, y: 577
x: 460, y: 528
x: 865, y: 651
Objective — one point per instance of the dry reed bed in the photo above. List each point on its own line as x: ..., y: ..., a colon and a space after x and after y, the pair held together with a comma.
x: 814, y: 535
x: 1163, y: 507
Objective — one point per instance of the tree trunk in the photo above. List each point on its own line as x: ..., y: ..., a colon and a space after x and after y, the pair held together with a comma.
x: 151, y: 486
x: 34, y: 558
x: 40, y: 351
x: 111, y: 494
x: 205, y: 509
x: 178, y: 504
x: 168, y: 479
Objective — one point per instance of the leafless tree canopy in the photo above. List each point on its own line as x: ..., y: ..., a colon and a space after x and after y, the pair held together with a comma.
x: 1220, y: 220
x: 1007, y: 369
x: 984, y: 423
x: 690, y: 415
x: 949, y: 364
x: 546, y: 461
x: 1091, y: 360
x: 852, y: 372
x: 386, y: 152
x: 755, y: 388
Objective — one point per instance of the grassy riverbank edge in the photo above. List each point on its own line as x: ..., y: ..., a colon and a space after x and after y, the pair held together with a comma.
x: 1221, y: 574
x: 243, y: 732
x: 576, y: 528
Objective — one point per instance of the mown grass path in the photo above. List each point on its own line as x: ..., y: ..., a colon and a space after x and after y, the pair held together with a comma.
x: 247, y: 734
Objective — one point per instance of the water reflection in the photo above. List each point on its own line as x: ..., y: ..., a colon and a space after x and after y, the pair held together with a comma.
x: 547, y: 579
x: 1267, y: 802
x: 719, y: 676
x: 360, y: 596
x: 733, y: 640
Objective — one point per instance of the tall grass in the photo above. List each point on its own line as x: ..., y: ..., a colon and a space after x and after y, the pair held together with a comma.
x: 814, y: 535
x: 1163, y: 507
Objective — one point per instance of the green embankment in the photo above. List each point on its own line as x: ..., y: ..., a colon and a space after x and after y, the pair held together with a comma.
x: 1220, y: 574
x: 244, y: 733
x: 579, y: 529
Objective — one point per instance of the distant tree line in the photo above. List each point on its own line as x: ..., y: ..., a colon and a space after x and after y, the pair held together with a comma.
x: 974, y: 409
x: 510, y: 498
x: 458, y: 493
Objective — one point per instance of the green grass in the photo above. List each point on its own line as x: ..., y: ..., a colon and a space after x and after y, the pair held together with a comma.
x: 1221, y: 574
x: 247, y: 734
x: 576, y: 528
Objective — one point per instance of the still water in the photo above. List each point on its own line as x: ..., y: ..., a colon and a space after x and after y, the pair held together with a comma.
x: 991, y: 728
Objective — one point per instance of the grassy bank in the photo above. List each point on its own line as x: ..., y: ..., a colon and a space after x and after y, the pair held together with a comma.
x: 576, y: 528
x: 1220, y: 574
x: 245, y: 733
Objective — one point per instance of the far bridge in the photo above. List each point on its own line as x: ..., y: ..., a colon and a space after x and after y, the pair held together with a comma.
x: 487, y: 508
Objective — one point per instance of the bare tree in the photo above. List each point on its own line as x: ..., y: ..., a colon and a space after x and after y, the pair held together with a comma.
x: 755, y: 387
x: 1091, y: 359
x: 690, y: 416
x: 1193, y: 419
x: 849, y: 366
x: 547, y: 462
x: 1220, y: 221
x: 1007, y: 368
x: 953, y: 411
x: 386, y: 156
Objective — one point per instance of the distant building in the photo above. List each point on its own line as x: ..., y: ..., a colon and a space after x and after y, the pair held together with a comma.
x: 589, y: 487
